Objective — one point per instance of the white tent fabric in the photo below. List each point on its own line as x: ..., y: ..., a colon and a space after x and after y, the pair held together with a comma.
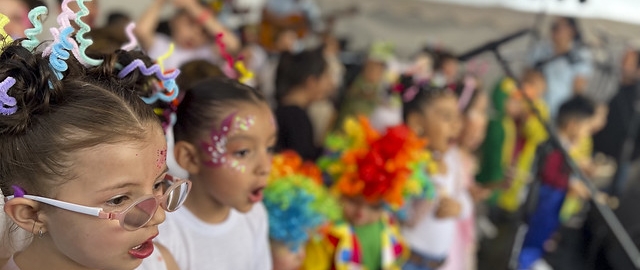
x: 615, y: 10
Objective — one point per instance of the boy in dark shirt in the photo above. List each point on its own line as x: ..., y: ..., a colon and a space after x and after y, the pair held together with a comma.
x: 573, y: 125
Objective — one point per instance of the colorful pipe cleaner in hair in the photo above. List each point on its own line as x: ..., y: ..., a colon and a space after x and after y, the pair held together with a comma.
x: 297, y: 204
x: 388, y: 169
x: 32, y: 34
x: 234, y: 68
x: 6, y: 39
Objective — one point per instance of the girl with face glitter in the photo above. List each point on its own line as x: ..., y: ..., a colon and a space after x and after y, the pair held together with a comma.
x: 224, y: 139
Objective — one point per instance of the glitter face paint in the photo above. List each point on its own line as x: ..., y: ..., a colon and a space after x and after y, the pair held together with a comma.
x: 161, y: 158
x: 219, y: 137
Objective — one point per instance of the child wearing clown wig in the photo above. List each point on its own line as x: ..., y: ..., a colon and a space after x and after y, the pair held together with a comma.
x: 371, y: 174
x: 298, y: 206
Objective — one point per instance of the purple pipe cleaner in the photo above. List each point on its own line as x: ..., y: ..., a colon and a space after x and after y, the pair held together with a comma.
x: 139, y: 64
x: 7, y: 103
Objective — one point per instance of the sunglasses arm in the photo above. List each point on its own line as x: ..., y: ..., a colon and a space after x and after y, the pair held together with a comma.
x: 92, y: 211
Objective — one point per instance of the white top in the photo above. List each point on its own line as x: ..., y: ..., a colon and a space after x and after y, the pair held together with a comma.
x: 239, y: 243
x: 154, y: 262
x: 561, y: 72
x: 180, y: 55
x: 432, y: 236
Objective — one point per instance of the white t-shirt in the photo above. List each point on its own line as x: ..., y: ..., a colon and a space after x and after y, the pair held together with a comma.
x: 161, y: 44
x: 432, y: 236
x: 154, y: 262
x: 240, y: 243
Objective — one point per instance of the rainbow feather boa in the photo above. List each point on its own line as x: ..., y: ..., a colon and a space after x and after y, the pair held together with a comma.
x: 389, y: 169
x: 297, y: 204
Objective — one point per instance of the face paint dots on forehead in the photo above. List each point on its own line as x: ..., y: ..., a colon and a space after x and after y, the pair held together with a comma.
x: 219, y: 137
x: 245, y: 123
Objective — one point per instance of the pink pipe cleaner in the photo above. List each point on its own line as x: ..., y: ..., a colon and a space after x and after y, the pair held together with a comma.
x: 467, y: 92
x: 133, y: 41
x: 228, y: 69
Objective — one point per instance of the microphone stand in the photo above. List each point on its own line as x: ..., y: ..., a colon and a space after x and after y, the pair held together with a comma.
x: 607, y: 214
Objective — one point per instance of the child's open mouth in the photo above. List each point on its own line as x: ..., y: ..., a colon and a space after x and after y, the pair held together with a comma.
x: 256, y: 195
x: 143, y: 250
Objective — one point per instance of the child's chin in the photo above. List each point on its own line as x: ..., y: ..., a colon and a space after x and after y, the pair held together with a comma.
x: 244, y: 208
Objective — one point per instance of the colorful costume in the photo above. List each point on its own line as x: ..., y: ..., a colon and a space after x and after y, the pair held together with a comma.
x: 296, y: 202
x: 510, y: 146
x: 389, y: 169
x: 341, y: 250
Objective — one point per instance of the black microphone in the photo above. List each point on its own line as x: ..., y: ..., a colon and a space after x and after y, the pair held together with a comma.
x: 491, y: 45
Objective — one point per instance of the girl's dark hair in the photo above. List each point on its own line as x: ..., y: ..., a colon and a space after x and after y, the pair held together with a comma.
x: 441, y: 57
x: 415, y: 97
x: 294, y: 70
x: 55, y: 118
x: 205, y: 103
x: 577, y: 108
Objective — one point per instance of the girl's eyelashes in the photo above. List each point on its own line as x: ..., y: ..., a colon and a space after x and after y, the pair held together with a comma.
x: 271, y: 149
x: 118, y: 200
x: 241, y: 153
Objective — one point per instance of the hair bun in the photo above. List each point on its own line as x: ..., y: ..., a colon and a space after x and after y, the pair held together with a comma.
x: 35, y: 88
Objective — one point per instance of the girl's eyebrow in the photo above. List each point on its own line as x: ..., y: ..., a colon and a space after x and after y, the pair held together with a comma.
x: 130, y: 184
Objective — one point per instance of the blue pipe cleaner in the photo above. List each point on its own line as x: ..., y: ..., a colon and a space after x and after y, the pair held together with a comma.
x: 32, y: 33
x: 171, y: 86
x: 60, y: 53
x: 84, y: 28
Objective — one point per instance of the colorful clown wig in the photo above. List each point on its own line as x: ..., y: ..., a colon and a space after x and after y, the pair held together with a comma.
x: 387, y: 169
x: 296, y: 203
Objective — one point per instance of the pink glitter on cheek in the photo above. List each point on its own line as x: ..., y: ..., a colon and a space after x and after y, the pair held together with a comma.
x: 217, y: 150
x: 218, y: 147
x: 161, y: 158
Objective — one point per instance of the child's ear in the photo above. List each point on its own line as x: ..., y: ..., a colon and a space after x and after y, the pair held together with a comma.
x: 414, y: 122
x: 187, y: 156
x: 26, y: 214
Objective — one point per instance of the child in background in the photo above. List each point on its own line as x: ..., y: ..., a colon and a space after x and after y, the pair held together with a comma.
x: 368, y: 90
x: 17, y: 13
x: 190, y: 74
x: 300, y: 80
x: 372, y: 174
x: 193, y: 27
x: 92, y: 201
x: 513, y: 134
x: 433, y: 114
x: 574, y: 124
x: 298, y: 205
x: 522, y: 136
x: 225, y: 134
x: 446, y: 68
x: 473, y: 104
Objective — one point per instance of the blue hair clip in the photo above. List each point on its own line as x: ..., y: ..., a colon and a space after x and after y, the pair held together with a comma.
x: 59, y: 52
x: 32, y: 33
x: 7, y: 103
x: 84, y: 28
